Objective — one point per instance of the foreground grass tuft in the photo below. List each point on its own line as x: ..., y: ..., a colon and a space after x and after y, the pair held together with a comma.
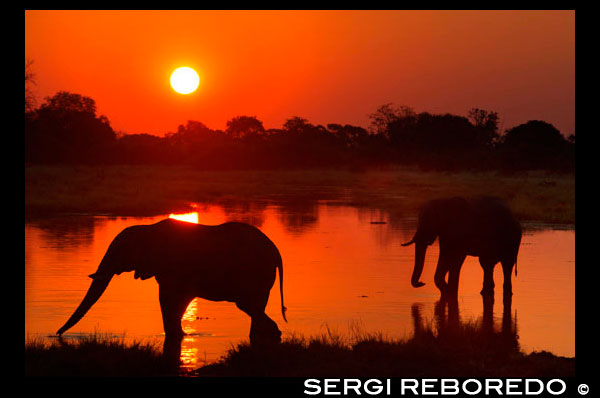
x: 94, y: 355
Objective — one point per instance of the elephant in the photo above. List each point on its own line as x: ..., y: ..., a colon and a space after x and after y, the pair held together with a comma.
x: 232, y: 262
x: 483, y: 227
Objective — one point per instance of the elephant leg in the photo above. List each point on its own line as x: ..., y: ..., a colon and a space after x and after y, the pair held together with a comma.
x: 449, y: 262
x: 172, y: 305
x: 507, y: 267
x: 440, y: 274
x: 262, y: 328
x: 488, y: 276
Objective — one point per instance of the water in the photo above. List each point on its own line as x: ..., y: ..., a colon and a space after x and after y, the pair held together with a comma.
x: 344, y: 271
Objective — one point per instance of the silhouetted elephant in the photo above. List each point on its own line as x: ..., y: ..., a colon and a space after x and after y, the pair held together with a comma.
x: 229, y: 262
x: 483, y: 227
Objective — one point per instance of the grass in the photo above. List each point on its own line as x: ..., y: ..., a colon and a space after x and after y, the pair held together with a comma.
x: 466, y: 350
x: 151, y: 190
x: 94, y: 355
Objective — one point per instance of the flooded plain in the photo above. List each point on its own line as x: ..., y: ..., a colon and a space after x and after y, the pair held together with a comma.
x: 344, y: 272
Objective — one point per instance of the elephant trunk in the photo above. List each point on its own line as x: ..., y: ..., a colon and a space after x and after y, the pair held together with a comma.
x: 96, y: 289
x: 420, y: 249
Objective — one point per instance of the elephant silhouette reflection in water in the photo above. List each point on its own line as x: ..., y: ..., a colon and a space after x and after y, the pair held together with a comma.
x: 232, y: 262
x: 449, y: 327
x: 483, y: 227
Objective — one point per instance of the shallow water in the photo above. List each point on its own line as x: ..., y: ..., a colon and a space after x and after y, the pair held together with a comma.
x: 344, y: 272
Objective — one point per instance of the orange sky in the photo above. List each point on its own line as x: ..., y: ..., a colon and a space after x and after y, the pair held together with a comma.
x: 326, y: 66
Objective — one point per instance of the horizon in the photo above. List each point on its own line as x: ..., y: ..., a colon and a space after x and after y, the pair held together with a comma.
x: 325, y: 66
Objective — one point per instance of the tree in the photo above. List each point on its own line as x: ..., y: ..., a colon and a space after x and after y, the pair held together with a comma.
x: 535, y: 135
x: 486, y: 122
x: 65, y: 129
x: 484, y: 119
x: 351, y: 136
x: 296, y: 124
x: 198, y: 145
x: 30, y: 100
x: 142, y: 149
x: 442, y: 141
x: 241, y: 126
x: 536, y: 145
x: 388, y: 114
x: 66, y: 102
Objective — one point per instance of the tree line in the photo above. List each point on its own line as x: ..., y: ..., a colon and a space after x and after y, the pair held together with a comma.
x: 66, y: 129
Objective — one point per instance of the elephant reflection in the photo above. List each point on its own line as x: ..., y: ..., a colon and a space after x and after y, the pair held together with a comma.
x: 483, y: 227
x: 232, y: 262
x: 448, y: 324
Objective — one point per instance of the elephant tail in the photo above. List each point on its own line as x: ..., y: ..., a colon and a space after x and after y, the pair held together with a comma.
x: 280, y: 268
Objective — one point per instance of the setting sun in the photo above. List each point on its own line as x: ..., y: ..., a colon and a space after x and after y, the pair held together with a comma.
x: 188, y: 217
x: 184, y: 80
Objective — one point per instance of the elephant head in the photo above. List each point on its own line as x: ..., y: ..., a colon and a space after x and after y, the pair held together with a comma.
x: 435, y: 217
x: 125, y: 253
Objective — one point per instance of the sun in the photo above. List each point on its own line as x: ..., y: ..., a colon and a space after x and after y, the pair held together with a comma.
x: 189, y: 217
x: 184, y: 80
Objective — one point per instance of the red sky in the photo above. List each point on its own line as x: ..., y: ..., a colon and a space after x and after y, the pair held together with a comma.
x: 325, y: 66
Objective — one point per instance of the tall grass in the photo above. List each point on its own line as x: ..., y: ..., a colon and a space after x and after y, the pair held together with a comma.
x: 94, y: 355
x: 454, y: 350
x: 464, y: 351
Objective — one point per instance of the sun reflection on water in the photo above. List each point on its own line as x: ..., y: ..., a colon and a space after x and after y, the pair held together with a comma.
x: 189, y: 352
x: 191, y: 313
x: 189, y: 348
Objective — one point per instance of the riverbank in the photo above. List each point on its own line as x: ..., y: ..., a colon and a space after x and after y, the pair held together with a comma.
x: 465, y: 351
x: 93, y: 355
x: 150, y: 190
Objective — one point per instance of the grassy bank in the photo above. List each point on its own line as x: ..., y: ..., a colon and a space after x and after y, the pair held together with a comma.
x: 95, y: 355
x: 466, y: 351
x: 149, y: 190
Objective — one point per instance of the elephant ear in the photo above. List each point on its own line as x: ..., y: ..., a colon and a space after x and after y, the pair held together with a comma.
x: 144, y: 271
x: 430, y: 222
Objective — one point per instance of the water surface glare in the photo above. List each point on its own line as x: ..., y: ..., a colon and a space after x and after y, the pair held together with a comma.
x: 344, y: 271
